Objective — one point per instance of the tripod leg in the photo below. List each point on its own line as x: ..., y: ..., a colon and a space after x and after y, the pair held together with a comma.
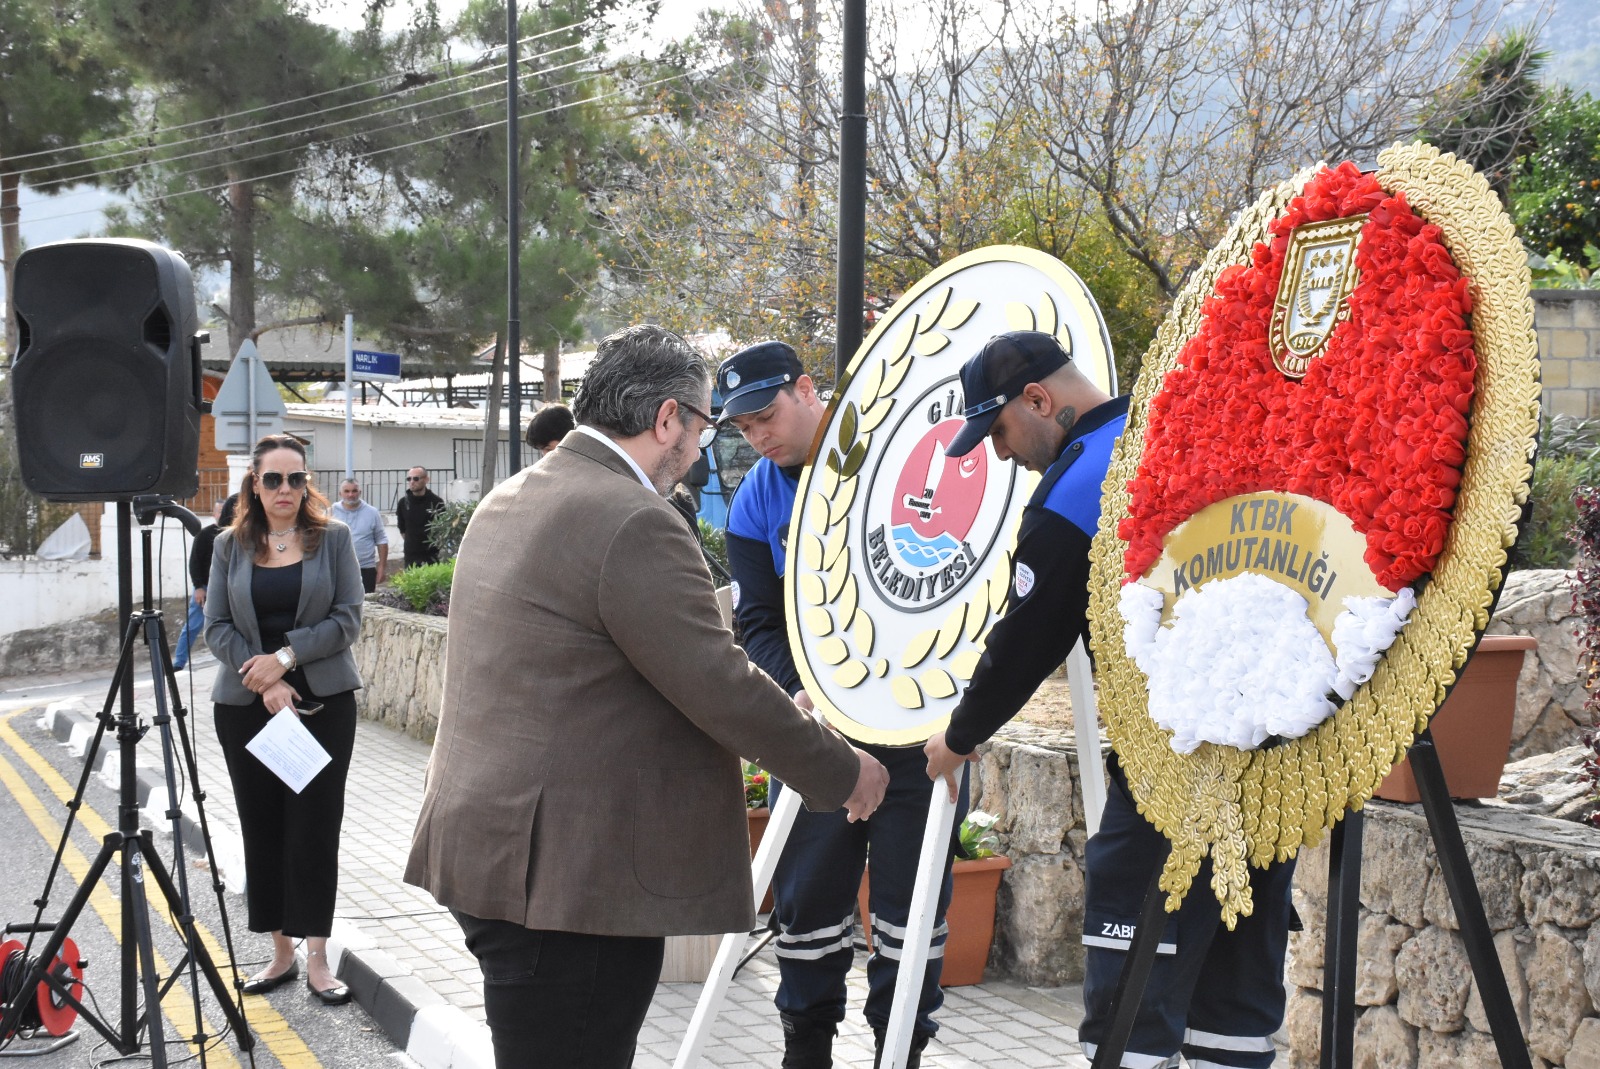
x: 1135, y: 971
x: 197, y: 792
x: 1457, y: 872
x: 1339, y: 949
x: 133, y: 854
x: 52, y: 947
x: 200, y: 955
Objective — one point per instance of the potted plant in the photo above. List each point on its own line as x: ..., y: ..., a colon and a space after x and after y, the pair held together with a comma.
x: 1472, y: 729
x: 756, y: 785
x: 976, y: 879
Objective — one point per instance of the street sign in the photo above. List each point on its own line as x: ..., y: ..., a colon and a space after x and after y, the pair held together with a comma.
x: 247, y: 407
x: 367, y: 366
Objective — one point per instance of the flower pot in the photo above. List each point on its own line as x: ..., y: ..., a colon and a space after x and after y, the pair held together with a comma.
x: 970, y: 917
x: 758, y: 828
x: 1472, y: 729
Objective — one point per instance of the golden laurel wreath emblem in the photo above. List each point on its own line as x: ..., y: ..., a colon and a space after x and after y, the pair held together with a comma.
x: 1247, y: 808
x: 826, y: 573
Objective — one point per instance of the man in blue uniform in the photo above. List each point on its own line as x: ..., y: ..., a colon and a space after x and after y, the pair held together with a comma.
x: 767, y: 395
x: 1214, y: 996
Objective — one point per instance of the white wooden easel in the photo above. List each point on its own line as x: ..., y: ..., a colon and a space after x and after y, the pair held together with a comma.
x: 925, y: 896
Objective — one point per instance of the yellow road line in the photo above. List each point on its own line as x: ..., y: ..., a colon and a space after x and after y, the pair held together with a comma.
x: 267, y: 1024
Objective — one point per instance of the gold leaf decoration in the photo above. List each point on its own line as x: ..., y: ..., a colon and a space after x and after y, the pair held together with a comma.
x: 852, y: 463
x: 818, y: 621
x: 977, y: 615
x: 850, y: 674
x: 936, y: 683
x: 834, y: 547
x: 1019, y: 316
x: 906, y: 692
x: 963, y: 664
x: 810, y: 586
x: 880, y: 667
x: 950, y: 631
x: 864, y: 634
x: 876, y: 415
x: 917, y: 649
x: 1047, y: 314
x: 935, y: 309
x: 836, y: 577
x: 832, y: 650
x: 848, y: 596
x: 847, y: 426
x: 930, y: 344
x: 811, y: 552
x: 819, y: 514
x: 957, y: 314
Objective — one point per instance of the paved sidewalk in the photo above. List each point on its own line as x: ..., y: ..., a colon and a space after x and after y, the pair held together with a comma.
x: 402, y: 954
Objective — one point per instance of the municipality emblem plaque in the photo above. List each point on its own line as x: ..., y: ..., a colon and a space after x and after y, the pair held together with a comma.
x: 1314, y: 295
x: 899, y: 557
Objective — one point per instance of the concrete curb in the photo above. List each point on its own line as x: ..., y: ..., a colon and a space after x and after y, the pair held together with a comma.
x: 414, y: 1017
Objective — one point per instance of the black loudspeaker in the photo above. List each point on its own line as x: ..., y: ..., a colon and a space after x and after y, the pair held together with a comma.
x: 106, y: 382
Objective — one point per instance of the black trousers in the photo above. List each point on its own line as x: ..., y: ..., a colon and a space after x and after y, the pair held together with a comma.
x: 369, y: 579
x: 562, y: 1000
x: 291, y: 841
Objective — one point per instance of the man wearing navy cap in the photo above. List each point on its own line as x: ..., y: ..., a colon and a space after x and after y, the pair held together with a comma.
x: 769, y: 397
x: 1215, y: 996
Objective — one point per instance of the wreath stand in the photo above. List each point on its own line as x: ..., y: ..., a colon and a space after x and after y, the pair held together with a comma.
x: 1343, y: 922
x: 924, y: 897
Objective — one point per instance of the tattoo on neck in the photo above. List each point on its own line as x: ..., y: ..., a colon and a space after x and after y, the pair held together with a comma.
x: 1067, y: 418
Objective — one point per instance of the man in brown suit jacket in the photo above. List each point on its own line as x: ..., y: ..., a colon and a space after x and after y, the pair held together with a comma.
x: 584, y: 796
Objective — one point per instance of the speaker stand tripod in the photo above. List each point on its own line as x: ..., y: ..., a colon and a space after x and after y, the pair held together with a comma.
x: 135, y: 846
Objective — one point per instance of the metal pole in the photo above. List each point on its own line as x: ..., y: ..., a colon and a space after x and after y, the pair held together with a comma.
x: 852, y: 285
x: 513, y: 249
x: 349, y: 396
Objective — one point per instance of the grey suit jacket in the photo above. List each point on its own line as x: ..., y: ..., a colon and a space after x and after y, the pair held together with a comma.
x: 326, y: 622
x: 585, y: 776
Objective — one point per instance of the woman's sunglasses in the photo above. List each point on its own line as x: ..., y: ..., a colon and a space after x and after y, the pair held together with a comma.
x: 274, y: 479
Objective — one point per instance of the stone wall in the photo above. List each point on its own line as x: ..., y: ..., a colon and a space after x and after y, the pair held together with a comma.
x: 1416, y: 1001
x: 401, y: 658
x: 1567, y: 323
x: 1028, y: 777
x: 1550, y: 692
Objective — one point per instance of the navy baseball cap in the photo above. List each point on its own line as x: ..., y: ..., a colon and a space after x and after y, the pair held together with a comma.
x: 750, y: 379
x: 997, y: 373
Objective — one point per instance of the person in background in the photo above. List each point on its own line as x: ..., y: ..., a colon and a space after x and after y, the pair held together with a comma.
x: 283, y: 612
x: 769, y: 397
x: 194, y: 624
x: 412, y: 513
x: 366, y: 532
x: 548, y: 426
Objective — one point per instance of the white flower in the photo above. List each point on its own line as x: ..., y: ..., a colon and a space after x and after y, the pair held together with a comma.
x: 1242, y: 660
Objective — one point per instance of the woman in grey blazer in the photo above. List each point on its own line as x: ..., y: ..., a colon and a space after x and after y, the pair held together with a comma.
x: 283, y: 609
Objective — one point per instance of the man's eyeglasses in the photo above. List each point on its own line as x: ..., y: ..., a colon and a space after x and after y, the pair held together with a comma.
x: 415, y: 478
x: 274, y: 479
x: 708, y: 435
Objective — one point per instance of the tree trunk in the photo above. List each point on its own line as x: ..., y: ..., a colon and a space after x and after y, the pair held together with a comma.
x: 552, y: 372
x: 241, y: 261
x: 491, y: 423
x: 10, y: 249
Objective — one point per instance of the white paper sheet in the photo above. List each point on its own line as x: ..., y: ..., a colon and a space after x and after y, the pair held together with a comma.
x: 291, y: 752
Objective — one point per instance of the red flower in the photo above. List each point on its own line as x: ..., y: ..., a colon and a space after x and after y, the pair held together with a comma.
x: 1377, y: 427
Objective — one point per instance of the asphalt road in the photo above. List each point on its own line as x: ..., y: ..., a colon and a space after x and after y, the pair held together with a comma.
x: 37, y: 775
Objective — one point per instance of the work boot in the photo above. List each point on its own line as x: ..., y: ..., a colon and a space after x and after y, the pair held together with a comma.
x: 919, y: 1040
x: 807, y: 1044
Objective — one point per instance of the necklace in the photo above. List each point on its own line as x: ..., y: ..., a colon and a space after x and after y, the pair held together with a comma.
x: 281, y: 546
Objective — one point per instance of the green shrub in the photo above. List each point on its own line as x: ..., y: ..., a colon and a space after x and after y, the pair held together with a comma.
x: 427, y: 586
x: 1569, y: 459
x: 714, y: 540
x: 449, y: 524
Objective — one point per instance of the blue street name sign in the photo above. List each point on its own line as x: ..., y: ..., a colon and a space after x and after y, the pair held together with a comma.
x: 367, y: 366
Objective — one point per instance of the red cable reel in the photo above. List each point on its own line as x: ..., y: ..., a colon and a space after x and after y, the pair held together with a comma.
x: 44, y: 1008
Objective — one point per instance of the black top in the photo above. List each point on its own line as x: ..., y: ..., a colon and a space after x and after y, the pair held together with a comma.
x: 200, y: 555
x: 276, y: 594
x: 412, y: 515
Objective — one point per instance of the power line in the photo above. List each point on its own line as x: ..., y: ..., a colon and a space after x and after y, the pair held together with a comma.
x: 482, y: 57
x: 45, y: 187
x: 160, y: 198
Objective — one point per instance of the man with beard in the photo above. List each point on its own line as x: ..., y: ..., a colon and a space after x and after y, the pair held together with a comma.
x: 593, y: 717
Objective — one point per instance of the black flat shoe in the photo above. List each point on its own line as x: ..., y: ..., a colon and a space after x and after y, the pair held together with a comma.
x: 334, y: 996
x: 260, y: 985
